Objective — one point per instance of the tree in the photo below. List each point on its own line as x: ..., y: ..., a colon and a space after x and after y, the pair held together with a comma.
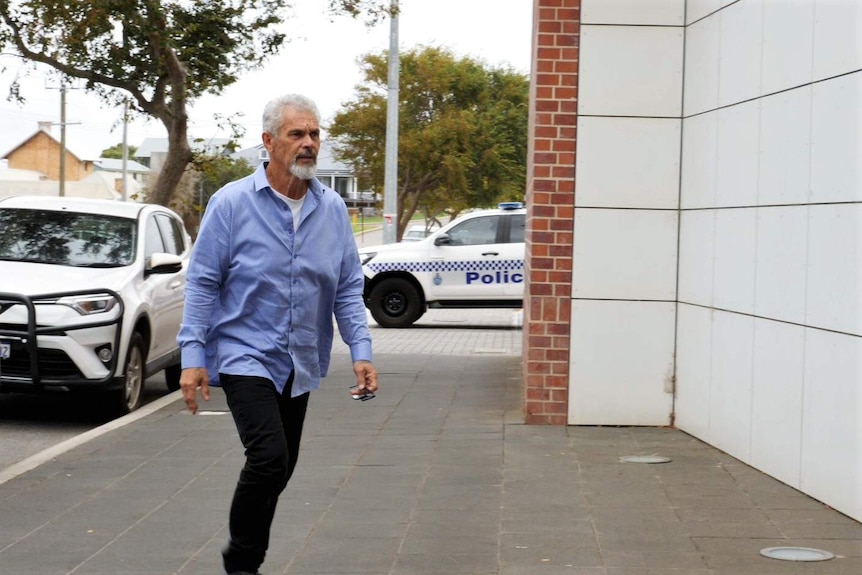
x: 161, y: 54
x: 462, y: 132
x: 115, y: 152
x: 206, y: 174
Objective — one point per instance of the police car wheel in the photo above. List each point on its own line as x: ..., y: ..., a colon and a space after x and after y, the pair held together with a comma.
x: 395, y: 302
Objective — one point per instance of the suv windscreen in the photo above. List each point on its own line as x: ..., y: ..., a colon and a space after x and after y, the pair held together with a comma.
x: 66, y: 238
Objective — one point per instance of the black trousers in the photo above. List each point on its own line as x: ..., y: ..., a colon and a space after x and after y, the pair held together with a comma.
x: 270, y: 428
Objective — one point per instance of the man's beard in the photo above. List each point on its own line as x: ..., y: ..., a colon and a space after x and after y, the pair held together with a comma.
x: 303, y: 172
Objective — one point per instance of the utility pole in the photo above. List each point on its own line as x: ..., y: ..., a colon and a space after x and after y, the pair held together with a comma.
x: 125, y: 193
x: 63, y: 124
x: 390, y: 176
x: 63, y: 139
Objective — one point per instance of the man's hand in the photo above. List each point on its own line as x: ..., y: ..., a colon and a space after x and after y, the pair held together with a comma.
x: 366, y: 378
x: 190, y: 380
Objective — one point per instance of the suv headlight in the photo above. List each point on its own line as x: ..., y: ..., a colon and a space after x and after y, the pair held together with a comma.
x: 89, y: 304
x: 366, y: 257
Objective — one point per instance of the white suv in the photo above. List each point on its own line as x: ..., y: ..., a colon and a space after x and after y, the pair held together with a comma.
x: 91, y: 296
x: 476, y: 261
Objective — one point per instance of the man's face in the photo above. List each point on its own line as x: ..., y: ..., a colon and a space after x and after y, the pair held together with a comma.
x: 296, y: 145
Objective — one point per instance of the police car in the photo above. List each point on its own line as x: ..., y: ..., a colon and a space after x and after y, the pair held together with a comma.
x: 476, y: 261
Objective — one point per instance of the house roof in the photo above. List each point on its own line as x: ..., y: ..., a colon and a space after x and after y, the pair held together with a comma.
x: 152, y: 146
x: 35, y: 134
x: 114, y: 165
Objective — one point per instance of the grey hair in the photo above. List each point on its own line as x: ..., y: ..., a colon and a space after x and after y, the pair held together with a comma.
x: 274, y: 109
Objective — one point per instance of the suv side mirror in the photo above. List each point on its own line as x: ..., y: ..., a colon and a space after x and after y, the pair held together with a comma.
x: 443, y: 240
x: 162, y: 263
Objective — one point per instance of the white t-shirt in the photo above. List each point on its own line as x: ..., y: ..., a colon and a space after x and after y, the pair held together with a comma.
x: 295, y: 207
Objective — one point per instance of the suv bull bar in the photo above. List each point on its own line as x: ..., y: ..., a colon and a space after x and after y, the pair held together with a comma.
x: 28, y: 335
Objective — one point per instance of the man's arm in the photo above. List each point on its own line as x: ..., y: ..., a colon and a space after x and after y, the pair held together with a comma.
x: 201, y: 293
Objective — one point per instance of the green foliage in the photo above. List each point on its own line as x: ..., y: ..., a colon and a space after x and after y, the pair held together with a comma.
x: 373, y: 10
x: 115, y: 152
x: 462, y: 132
x: 160, y: 54
x: 130, y: 45
x: 216, y: 171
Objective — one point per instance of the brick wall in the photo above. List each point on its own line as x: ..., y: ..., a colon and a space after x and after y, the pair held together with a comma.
x: 41, y: 153
x: 550, y: 198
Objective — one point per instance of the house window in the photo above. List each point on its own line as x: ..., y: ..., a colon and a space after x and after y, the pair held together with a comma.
x: 342, y: 186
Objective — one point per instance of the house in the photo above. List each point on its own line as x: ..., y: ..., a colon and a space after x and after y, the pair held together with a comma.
x: 41, y: 152
x: 33, y: 167
x: 152, y: 151
x: 135, y: 170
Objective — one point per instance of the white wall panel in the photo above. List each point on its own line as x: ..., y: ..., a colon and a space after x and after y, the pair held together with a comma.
x: 654, y: 12
x: 625, y: 254
x: 785, y: 148
x: 834, y: 296
x: 693, y: 369
x: 781, y: 268
x: 735, y: 242
x: 832, y: 429
x: 738, y: 155
x: 836, y: 146
x: 702, y: 48
x: 630, y: 71
x: 622, y: 363
x: 628, y: 162
x: 741, y: 47
x: 731, y: 383
x: 696, y: 256
x: 771, y: 139
x: 837, y: 49
x: 776, y: 412
x: 697, y: 9
x: 788, y: 44
x: 699, y: 161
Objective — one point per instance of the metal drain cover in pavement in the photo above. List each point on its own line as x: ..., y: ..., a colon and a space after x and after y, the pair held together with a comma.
x: 644, y: 459
x: 797, y: 554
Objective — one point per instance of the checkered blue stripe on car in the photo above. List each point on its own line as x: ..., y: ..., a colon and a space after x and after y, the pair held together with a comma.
x: 440, y: 266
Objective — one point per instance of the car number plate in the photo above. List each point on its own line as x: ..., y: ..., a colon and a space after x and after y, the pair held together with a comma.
x: 5, y: 350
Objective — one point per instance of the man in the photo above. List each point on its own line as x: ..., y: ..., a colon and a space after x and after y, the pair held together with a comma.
x: 274, y: 260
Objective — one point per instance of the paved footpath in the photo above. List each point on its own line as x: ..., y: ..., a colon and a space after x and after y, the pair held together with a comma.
x: 437, y: 475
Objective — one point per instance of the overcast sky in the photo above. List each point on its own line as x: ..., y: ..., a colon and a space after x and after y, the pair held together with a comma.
x: 319, y: 61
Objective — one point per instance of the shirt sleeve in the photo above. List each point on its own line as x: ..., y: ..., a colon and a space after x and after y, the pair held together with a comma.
x: 349, y: 303
x: 204, y: 281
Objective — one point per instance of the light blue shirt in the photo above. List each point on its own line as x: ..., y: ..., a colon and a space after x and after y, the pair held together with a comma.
x: 262, y: 292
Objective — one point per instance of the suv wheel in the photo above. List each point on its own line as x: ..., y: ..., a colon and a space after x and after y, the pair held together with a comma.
x: 128, y: 398
x: 395, y: 302
x: 172, y: 376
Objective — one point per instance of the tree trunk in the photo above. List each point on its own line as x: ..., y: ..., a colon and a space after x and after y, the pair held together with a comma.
x: 178, y: 157
x: 175, y: 117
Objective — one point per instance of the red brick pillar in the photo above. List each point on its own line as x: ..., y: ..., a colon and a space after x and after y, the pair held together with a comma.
x: 551, y: 200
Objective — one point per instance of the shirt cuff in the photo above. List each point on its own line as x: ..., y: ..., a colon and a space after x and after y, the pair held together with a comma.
x: 194, y: 356
x: 361, y: 352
